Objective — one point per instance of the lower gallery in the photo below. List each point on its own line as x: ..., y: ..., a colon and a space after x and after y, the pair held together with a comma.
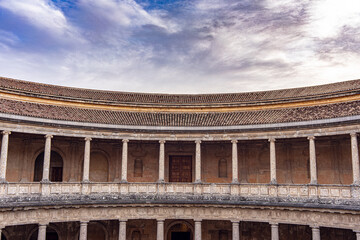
x: 101, y: 165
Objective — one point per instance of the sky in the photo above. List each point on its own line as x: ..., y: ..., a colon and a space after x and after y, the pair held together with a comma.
x: 180, y: 46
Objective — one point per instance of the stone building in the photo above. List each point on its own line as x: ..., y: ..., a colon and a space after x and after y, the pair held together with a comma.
x: 89, y: 164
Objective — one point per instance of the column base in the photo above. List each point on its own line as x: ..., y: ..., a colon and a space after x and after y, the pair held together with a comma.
x: 235, y: 181
x: 356, y: 184
x: 314, y: 182
x: 45, y: 181
x: 273, y: 181
x: 3, y: 181
x: 161, y: 181
x: 198, y: 181
x: 124, y: 181
x: 85, y: 182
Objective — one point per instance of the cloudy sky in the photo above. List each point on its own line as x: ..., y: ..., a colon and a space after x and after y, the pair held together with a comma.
x: 180, y: 46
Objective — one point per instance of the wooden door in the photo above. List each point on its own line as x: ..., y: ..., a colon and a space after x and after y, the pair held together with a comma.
x: 180, y: 169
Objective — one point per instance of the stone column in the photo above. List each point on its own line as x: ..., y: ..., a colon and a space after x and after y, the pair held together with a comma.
x: 124, y: 160
x: 357, y: 235
x: 312, y: 154
x: 162, y: 161
x: 272, y: 161
x: 197, y: 230
x: 198, y: 161
x: 42, y: 232
x: 122, y: 230
x: 0, y: 232
x: 47, y: 154
x: 235, y: 230
x: 160, y: 230
x: 315, y: 233
x: 83, y: 231
x: 355, y: 158
x: 86, y: 167
x: 274, y: 231
x: 235, y: 170
x: 4, y: 155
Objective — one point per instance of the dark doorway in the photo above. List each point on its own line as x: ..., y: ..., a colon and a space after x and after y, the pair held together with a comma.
x: 56, y: 167
x: 180, y: 169
x: 180, y: 236
x: 50, y: 235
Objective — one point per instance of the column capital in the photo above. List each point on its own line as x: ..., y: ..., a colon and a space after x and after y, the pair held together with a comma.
x: 162, y: 141
x: 125, y: 140
x: 274, y: 223
x: 6, y: 132
x: 48, y: 136
x: 88, y: 139
x: 84, y: 222
x: 311, y: 137
x: 43, y: 224
x: 198, y: 141
x: 197, y: 220
x: 235, y: 221
x: 234, y: 141
x: 123, y: 220
x: 160, y: 220
x: 314, y: 226
x: 271, y: 139
x: 353, y: 134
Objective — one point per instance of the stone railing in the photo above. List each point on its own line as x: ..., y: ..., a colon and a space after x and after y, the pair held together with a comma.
x: 244, y: 190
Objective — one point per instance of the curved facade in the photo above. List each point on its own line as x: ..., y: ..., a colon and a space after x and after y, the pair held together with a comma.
x: 90, y: 164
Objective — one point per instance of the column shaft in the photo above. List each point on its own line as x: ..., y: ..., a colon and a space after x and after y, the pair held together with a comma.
x: 312, y: 154
x: 162, y: 161
x: 4, y: 155
x: 235, y: 169
x: 275, y: 231
x: 355, y: 158
x: 86, y: 160
x: 124, y: 160
x: 357, y: 235
x: 42, y: 232
x: 47, y: 154
x: 273, y: 179
x: 235, y: 231
x: 160, y: 230
x: 197, y: 230
x: 83, y: 231
x: 122, y: 230
x: 198, y: 161
x: 315, y: 233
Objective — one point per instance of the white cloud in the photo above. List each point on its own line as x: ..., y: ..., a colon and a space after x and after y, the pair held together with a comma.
x: 327, y: 17
x: 41, y: 14
x: 124, y: 13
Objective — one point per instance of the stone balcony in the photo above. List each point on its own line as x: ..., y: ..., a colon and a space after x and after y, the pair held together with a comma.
x: 315, y: 196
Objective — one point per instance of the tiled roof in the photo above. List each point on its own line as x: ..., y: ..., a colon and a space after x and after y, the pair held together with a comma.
x: 180, y: 119
x: 52, y: 91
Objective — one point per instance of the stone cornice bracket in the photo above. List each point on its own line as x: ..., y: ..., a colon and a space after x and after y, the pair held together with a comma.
x: 271, y: 139
x: 311, y: 137
x: 125, y: 140
x: 88, y: 139
x: 6, y: 132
